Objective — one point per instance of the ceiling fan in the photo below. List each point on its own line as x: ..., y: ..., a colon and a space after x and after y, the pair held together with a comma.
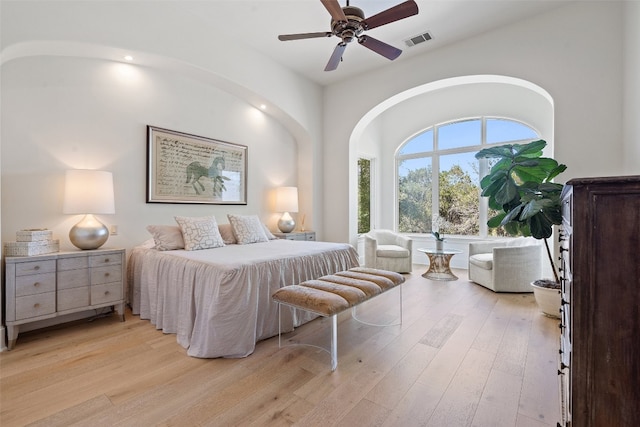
x: 348, y: 23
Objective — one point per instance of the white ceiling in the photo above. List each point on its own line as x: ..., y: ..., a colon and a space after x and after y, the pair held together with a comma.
x: 257, y: 23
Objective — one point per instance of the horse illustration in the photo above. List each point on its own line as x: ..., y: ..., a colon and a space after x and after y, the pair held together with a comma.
x: 195, y: 171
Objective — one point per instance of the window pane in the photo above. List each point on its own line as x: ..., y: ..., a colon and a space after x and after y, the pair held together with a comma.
x: 364, y: 195
x: 460, y: 134
x: 414, y: 195
x: 418, y: 144
x: 501, y: 130
x: 459, y: 210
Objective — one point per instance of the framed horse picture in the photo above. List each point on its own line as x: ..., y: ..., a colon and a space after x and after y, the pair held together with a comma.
x: 183, y: 168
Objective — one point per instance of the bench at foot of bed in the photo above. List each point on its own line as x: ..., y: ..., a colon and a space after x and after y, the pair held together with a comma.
x: 330, y: 295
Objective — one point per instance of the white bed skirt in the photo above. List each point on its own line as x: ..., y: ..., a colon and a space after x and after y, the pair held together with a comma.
x: 218, y: 301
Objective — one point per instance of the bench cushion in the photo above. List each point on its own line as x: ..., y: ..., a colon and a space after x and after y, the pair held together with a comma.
x: 334, y: 293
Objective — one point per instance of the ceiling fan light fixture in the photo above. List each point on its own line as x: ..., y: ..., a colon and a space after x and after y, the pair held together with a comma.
x: 348, y: 23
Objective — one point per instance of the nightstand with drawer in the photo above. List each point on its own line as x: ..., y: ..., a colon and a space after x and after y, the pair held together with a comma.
x: 52, y: 285
x: 297, y: 235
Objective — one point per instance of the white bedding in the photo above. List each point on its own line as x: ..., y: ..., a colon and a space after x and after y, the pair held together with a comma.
x: 218, y: 301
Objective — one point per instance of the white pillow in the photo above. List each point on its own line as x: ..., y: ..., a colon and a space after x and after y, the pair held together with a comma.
x: 200, y: 232
x: 268, y: 232
x: 247, y: 229
x: 226, y: 231
x: 166, y: 237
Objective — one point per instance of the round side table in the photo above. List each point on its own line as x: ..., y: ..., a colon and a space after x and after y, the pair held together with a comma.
x: 439, y: 263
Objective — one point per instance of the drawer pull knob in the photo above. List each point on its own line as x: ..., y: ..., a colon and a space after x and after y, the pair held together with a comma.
x: 37, y: 267
x: 106, y: 292
x: 36, y: 305
x: 36, y: 284
x: 106, y: 274
x: 106, y: 260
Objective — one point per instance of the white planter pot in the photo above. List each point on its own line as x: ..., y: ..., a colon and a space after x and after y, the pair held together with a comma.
x: 548, y: 300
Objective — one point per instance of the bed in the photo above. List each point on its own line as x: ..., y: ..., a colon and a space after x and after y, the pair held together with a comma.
x: 218, y: 301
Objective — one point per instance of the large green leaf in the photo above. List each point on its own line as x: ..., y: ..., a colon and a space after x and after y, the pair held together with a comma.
x: 507, y: 192
x: 512, y: 215
x: 550, y: 187
x: 530, y: 209
x: 541, y: 228
x: 494, y: 205
x: 494, y: 152
x: 553, y: 214
x: 556, y: 171
x: 512, y: 228
x: 525, y: 174
x: 493, y: 189
x: 533, y: 148
x: 496, y: 220
x: 526, y: 161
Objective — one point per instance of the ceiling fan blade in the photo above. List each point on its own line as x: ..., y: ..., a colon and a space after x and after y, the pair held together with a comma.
x: 285, y: 37
x: 395, y: 13
x: 333, y: 7
x: 379, y: 47
x: 336, y: 57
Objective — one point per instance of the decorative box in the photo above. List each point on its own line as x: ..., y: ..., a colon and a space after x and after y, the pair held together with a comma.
x: 34, y: 235
x: 31, y: 248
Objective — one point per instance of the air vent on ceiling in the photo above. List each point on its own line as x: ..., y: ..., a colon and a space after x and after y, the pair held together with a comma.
x: 421, y: 38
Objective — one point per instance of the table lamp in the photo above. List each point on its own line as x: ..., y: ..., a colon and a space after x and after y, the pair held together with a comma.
x: 88, y: 192
x: 286, y: 201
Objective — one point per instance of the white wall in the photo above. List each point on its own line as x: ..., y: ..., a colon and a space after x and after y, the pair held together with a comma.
x: 632, y: 88
x: 68, y: 113
x: 108, y: 30
x: 582, y: 75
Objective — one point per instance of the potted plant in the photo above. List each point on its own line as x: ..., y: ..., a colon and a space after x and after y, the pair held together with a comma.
x: 519, y: 187
x: 439, y: 240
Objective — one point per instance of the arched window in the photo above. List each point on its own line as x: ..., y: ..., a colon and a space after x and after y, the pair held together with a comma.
x: 438, y: 176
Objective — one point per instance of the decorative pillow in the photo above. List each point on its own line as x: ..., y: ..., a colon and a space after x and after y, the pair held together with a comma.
x: 268, y: 232
x: 166, y: 237
x: 227, y: 234
x: 247, y: 229
x: 200, y: 232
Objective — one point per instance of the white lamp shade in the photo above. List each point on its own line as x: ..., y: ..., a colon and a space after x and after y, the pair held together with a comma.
x: 88, y: 192
x: 286, y: 199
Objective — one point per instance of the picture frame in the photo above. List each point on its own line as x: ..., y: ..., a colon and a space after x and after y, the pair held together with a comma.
x: 184, y: 168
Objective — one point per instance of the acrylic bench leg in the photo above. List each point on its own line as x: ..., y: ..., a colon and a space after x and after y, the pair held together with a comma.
x: 334, y: 342
x: 279, y: 325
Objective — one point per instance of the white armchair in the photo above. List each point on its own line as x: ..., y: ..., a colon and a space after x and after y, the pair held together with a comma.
x: 506, y: 266
x: 387, y: 250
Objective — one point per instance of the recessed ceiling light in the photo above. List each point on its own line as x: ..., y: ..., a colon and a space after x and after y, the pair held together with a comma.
x: 128, y: 58
x: 263, y: 107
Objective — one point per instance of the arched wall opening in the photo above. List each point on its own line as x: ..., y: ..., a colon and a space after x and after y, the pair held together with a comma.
x: 386, y: 126
x: 124, y: 97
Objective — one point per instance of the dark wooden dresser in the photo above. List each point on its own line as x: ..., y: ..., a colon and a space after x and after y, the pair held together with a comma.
x: 600, y: 342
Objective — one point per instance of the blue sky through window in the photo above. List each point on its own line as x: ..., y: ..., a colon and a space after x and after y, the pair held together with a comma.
x: 459, y: 134
x: 419, y: 143
x: 500, y: 130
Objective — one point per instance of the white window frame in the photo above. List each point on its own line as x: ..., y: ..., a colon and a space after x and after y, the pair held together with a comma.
x: 435, y: 155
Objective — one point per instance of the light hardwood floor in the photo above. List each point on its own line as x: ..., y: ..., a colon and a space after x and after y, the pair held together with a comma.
x: 463, y: 356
